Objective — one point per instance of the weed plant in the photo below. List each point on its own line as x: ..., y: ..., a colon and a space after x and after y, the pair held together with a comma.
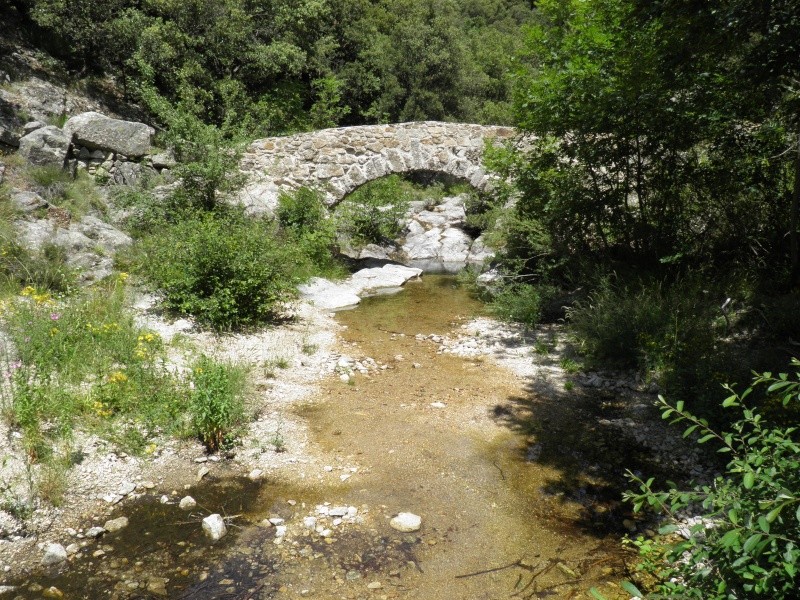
x: 216, y: 402
x: 84, y: 362
x: 79, y: 195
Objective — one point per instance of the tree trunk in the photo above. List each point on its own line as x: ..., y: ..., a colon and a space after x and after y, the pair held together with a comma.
x: 794, y: 221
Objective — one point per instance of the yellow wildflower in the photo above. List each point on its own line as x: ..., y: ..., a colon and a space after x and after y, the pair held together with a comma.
x: 117, y: 377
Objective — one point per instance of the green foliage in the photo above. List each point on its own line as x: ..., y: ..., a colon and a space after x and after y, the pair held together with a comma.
x: 78, y: 194
x: 372, y: 214
x: 215, y: 404
x: 208, y: 160
x: 287, y: 65
x: 226, y: 270
x: 82, y: 360
x: 518, y: 302
x: 746, y: 545
x: 304, y: 219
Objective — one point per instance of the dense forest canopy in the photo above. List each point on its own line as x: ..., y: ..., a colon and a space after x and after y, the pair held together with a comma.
x: 277, y: 66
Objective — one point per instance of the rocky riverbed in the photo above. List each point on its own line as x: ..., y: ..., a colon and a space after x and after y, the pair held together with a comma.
x: 420, y: 408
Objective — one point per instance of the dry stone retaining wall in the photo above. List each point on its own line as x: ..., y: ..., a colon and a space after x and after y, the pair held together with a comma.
x: 337, y: 161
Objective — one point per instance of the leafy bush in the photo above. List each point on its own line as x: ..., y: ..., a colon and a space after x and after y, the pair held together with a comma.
x: 518, y: 302
x: 647, y: 324
x: 372, y: 214
x: 304, y: 218
x: 747, y: 545
x: 226, y: 270
x: 216, y: 405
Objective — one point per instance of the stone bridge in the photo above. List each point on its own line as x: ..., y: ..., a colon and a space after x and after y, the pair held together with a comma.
x: 337, y: 161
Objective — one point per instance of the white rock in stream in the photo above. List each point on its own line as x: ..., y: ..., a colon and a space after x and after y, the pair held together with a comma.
x: 214, y: 527
x: 187, y: 503
x: 406, y: 522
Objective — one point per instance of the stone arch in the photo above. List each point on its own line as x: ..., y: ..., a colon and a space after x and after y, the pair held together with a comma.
x: 338, y: 161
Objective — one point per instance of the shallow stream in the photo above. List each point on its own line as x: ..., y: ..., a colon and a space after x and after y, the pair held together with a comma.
x: 518, y: 493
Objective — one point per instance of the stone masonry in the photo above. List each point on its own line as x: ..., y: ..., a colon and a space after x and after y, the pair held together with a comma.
x: 337, y: 161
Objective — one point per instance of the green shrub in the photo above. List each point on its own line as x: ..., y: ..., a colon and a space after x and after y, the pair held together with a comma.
x: 748, y: 543
x: 216, y: 404
x: 521, y: 303
x: 304, y: 219
x: 226, y: 270
x: 646, y: 324
x: 372, y: 214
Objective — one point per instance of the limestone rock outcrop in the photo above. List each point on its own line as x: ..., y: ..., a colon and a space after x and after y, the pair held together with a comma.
x: 95, y: 131
x: 47, y: 146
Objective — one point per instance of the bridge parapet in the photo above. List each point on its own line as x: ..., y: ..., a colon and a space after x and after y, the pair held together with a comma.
x: 337, y: 161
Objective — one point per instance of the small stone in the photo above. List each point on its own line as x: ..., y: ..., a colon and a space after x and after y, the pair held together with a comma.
x: 187, y: 503
x: 276, y: 521
x: 54, y: 554
x: 345, y: 476
x: 201, y: 459
x: 280, y: 531
x: 148, y: 485
x: 214, y: 527
x: 52, y: 592
x: 73, y: 549
x: 338, y: 511
x: 157, y: 586
x: 255, y: 475
x: 406, y: 522
x: 126, y: 488
x: 344, y: 377
x: 327, y: 468
x: 352, y: 575
x: 98, y: 553
x: 202, y: 472
x: 117, y: 524
x: 326, y: 533
x: 95, y: 532
x: 310, y: 522
x: 438, y: 405
x: 164, y: 499
x: 375, y: 585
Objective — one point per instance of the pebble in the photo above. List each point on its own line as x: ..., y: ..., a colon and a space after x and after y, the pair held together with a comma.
x: 255, y: 475
x: 310, y: 522
x: 164, y: 499
x: 157, y: 586
x: 202, y: 472
x: 214, y: 527
x: 276, y: 521
x: 201, y: 459
x: 73, y: 549
x: 406, y: 522
x: 98, y: 553
x: 54, y: 554
x: 95, y: 532
x: 438, y: 405
x: 52, y: 592
x: 338, y: 511
x: 117, y: 524
x: 344, y: 377
x: 280, y: 531
x: 375, y: 585
x: 187, y: 503
x: 127, y: 488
